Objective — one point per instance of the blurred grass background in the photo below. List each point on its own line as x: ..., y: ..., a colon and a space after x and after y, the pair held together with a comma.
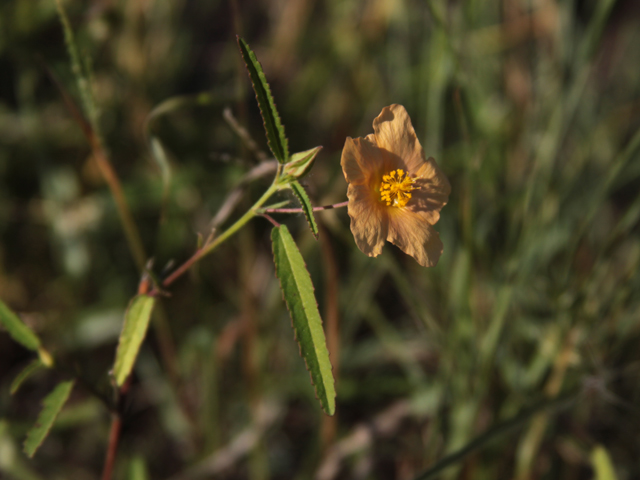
x: 532, y: 108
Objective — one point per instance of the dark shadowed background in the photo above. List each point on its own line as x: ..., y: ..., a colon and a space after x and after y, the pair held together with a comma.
x: 531, y: 108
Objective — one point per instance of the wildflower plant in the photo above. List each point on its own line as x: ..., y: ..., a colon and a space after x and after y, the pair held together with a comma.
x: 394, y: 193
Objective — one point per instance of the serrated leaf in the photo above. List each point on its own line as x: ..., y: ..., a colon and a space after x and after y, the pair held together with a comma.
x: 307, y: 208
x: 297, y: 290
x: 275, y: 131
x: 301, y: 163
x: 24, y: 374
x: 17, y: 329
x: 136, y: 322
x: 51, y: 406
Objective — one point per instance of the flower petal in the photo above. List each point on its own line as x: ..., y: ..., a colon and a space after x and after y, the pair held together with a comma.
x: 369, y: 223
x: 394, y: 132
x: 431, y: 191
x: 412, y: 233
x: 361, y: 161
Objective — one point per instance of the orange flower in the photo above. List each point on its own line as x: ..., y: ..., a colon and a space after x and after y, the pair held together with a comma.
x: 395, y: 193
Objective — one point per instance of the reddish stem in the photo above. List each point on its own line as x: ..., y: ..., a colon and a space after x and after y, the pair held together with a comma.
x: 114, y: 437
x: 180, y: 270
x: 202, y: 251
x: 268, y: 217
x: 299, y: 210
x: 114, y: 432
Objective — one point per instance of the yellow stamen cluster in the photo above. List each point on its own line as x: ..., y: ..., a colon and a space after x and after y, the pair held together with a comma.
x: 395, y: 188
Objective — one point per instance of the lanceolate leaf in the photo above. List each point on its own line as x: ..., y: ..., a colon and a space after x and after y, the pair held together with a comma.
x: 297, y: 290
x: 275, y: 131
x: 24, y: 374
x: 136, y: 322
x: 51, y: 406
x: 18, y: 330
x: 307, y: 208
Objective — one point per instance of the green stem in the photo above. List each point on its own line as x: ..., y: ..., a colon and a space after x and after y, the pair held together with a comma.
x: 207, y: 249
x: 240, y: 222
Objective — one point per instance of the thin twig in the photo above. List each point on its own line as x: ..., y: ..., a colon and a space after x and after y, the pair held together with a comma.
x: 259, y: 171
x: 239, y: 130
x: 275, y: 224
x: 130, y: 229
x: 114, y: 432
x: 299, y: 210
x: 209, y: 247
x: 114, y: 437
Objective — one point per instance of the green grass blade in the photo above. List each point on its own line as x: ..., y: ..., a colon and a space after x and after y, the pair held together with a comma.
x: 17, y: 329
x: 275, y: 131
x: 307, y: 208
x: 51, y: 406
x: 159, y: 154
x: 602, y: 464
x: 499, y: 430
x: 595, y: 29
x: 24, y: 374
x: 297, y: 290
x: 136, y: 322
x: 138, y: 469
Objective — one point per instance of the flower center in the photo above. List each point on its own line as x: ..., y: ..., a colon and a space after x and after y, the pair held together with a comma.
x: 395, y: 188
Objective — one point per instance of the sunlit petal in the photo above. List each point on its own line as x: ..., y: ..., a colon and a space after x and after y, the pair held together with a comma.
x: 361, y: 161
x: 394, y: 132
x: 369, y: 223
x: 414, y: 235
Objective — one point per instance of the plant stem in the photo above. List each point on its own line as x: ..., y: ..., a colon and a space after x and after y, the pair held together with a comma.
x: 114, y: 432
x: 206, y: 249
x: 268, y: 217
x: 92, y: 132
x: 299, y: 210
x: 130, y: 230
x: 114, y: 437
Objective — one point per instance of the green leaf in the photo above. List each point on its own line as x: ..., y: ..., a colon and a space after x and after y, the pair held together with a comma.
x: 602, y: 464
x: 275, y: 131
x: 297, y: 290
x: 307, y: 208
x: 24, y: 374
x: 138, y: 469
x: 136, y: 322
x: 51, y: 406
x: 18, y: 330
x: 301, y: 163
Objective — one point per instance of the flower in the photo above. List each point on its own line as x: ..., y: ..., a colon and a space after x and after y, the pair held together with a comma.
x: 395, y: 193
